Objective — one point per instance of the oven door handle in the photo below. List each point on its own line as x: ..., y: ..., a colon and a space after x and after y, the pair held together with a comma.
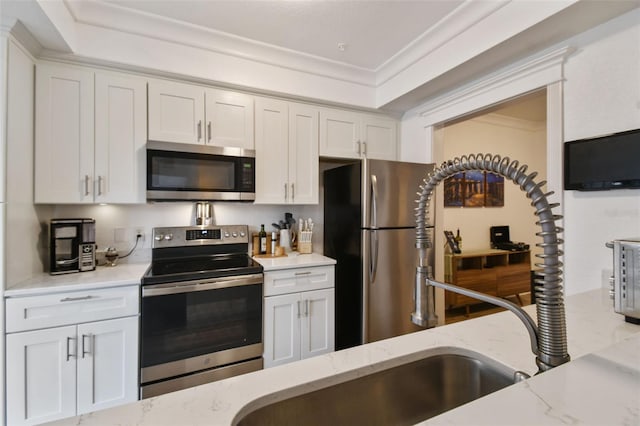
x: 201, y: 285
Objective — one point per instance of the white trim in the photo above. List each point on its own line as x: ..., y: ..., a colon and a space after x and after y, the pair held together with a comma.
x: 521, y: 78
x: 496, y: 119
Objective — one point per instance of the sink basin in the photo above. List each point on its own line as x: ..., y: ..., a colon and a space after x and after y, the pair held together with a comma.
x: 401, y: 395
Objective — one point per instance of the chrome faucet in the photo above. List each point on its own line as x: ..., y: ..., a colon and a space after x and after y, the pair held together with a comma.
x: 549, y: 337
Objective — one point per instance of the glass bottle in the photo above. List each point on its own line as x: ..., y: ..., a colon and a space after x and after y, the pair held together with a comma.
x: 262, y: 237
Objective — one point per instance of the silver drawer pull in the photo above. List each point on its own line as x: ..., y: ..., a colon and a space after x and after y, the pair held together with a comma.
x: 297, y: 274
x: 75, y: 299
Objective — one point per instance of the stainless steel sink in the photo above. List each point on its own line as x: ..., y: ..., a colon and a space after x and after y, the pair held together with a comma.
x: 401, y: 395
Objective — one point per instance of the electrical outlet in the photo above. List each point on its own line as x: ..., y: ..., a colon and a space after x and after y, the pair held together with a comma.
x: 139, y: 230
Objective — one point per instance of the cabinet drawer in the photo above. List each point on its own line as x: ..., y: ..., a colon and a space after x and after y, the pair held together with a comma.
x: 52, y: 310
x: 298, y: 279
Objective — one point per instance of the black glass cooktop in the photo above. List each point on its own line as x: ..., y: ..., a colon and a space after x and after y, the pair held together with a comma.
x: 202, y: 267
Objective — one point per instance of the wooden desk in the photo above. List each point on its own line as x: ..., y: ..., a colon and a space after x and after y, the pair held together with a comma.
x: 496, y: 272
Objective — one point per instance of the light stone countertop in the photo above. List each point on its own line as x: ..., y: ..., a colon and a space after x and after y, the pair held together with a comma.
x: 104, y: 276
x: 600, y: 386
x: 294, y: 261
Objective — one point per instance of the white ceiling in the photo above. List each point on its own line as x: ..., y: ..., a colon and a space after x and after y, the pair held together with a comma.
x: 397, y: 53
x: 373, y: 31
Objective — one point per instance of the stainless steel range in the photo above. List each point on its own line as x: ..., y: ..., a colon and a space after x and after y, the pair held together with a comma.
x: 201, y: 313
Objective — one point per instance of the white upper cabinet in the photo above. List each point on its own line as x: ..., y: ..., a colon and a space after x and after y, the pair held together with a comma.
x: 229, y: 119
x: 176, y: 112
x: 303, y: 154
x: 186, y: 113
x: 120, y: 138
x: 346, y: 134
x: 90, y: 136
x: 64, y: 147
x: 286, y: 153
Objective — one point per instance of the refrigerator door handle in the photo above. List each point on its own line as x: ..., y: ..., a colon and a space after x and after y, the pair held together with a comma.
x: 374, y: 202
x: 373, y: 260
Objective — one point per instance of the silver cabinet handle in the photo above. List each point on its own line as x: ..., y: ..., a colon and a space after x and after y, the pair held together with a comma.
x: 302, y: 273
x: 285, y: 192
x: 199, y: 129
x: 89, y: 346
x: 86, y: 185
x: 298, y: 309
x: 359, y: 151
x: 364, y: 149
x: 209, y: 131
x: 75, y: 299
x: 100, y: 178
x: 306, y: 307
x: 69, y: 354
x: 293, y: 192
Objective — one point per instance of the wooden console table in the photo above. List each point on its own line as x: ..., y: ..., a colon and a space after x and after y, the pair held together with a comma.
x: 496, y: 272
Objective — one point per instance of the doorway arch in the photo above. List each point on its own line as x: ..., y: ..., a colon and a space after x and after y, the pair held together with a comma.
x: 541, y: 72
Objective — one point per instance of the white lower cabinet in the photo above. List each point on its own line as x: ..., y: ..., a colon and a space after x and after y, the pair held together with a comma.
x: 299, y: 324
x: 63, y: 371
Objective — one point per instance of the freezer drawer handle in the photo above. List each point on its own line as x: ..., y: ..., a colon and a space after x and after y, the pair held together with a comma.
x: 373, y: 266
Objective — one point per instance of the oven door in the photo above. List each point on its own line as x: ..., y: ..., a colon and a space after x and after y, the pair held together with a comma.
x: 197, y: 325
x: 199, y: 172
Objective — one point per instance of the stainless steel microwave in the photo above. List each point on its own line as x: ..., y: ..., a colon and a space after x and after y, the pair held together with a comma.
x: 181, y: 172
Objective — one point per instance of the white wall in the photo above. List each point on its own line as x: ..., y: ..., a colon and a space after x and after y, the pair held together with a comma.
x: 601, y: 95
x: 23, y: 235
x: 516, y: 139
x: 110, y: 217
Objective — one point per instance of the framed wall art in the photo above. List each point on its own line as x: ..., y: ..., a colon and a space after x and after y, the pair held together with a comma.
x: 474, y: 189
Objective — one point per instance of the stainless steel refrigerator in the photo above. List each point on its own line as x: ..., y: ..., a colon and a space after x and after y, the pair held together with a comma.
x: 369, y: 228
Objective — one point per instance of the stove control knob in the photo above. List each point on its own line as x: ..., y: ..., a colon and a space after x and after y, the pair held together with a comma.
x: 159, y: 237
x: 168, y: 237
x: 242, y: 234
x: 226, y: 235
x: 234, y: 235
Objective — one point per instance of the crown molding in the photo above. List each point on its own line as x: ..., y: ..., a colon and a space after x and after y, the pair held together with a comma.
x: 548, y: 68
x: 451, y: 26
x: 97, y: 13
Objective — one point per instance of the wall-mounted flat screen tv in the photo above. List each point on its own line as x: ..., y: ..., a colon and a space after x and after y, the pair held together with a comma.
x: 601, y: 163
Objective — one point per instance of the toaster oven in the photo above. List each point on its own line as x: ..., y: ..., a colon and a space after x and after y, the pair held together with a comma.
x: 625, y: 281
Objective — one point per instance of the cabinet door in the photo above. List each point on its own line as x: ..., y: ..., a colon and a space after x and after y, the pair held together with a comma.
x: 281, y: 329
x: 272, y: 185
x: 41, y: 375
x: 379, y: 140
x: 318, y: 318
x: 121, y: 134
x: 229, y: 119
x: 303, y: 154
x: 339, y: 134
x: 64, y: 135
x: 107, y: 363
x: 176, y: 112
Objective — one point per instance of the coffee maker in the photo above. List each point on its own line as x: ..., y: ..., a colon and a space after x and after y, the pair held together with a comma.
x: 72, y: 245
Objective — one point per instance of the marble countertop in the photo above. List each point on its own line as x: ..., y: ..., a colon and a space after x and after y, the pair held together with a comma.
x: 600, y: 385
x: 294, y: 261
x: 103, y: 276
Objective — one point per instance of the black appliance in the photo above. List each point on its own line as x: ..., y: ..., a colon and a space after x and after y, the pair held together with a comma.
x: 179, y: 172
x: 602, y: 163
x: 72, y: 245
x: 501, y: 240
x: 201, y: 309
